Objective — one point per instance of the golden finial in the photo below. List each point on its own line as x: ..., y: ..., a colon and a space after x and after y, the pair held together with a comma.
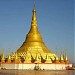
x: 16, y: 55
x: 34, y: 2
x: 9, y: 51
x: 66, y: 59
x: 9, y: 59
x: 3, y: 59
x: 57, y: 56
x: 61, y: 56
x: 16, y: 58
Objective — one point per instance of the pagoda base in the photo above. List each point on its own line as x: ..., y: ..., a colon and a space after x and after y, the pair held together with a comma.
x: 31, y: 66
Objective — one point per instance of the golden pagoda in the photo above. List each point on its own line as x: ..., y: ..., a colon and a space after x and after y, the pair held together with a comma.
x: 33, y: 44
x: 33, y: 54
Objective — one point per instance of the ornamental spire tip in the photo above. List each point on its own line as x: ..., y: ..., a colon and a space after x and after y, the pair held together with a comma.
x: 34, y: 2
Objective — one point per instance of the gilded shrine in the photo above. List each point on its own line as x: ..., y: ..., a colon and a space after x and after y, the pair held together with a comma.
x: 34, y: 51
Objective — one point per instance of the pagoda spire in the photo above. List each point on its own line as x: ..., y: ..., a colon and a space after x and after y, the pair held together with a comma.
x: 16, y: 58
x: 3, y: 59
x: 34, y: 34
x: 34, y: 2
x: 66, y: 58
x: 34, y: 20
x: 57, y: 58
x: 9, y: 59
x: 34, y: 25
x: 61, y: 58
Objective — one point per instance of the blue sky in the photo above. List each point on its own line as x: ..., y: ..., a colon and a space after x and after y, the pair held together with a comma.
x: 55, y: 23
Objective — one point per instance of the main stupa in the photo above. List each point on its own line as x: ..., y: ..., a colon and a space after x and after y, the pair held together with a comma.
x: 33, y: 40
x: 33, y: 43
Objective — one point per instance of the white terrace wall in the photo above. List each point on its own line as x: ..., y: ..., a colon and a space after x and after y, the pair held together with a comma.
x: 31, y: 66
